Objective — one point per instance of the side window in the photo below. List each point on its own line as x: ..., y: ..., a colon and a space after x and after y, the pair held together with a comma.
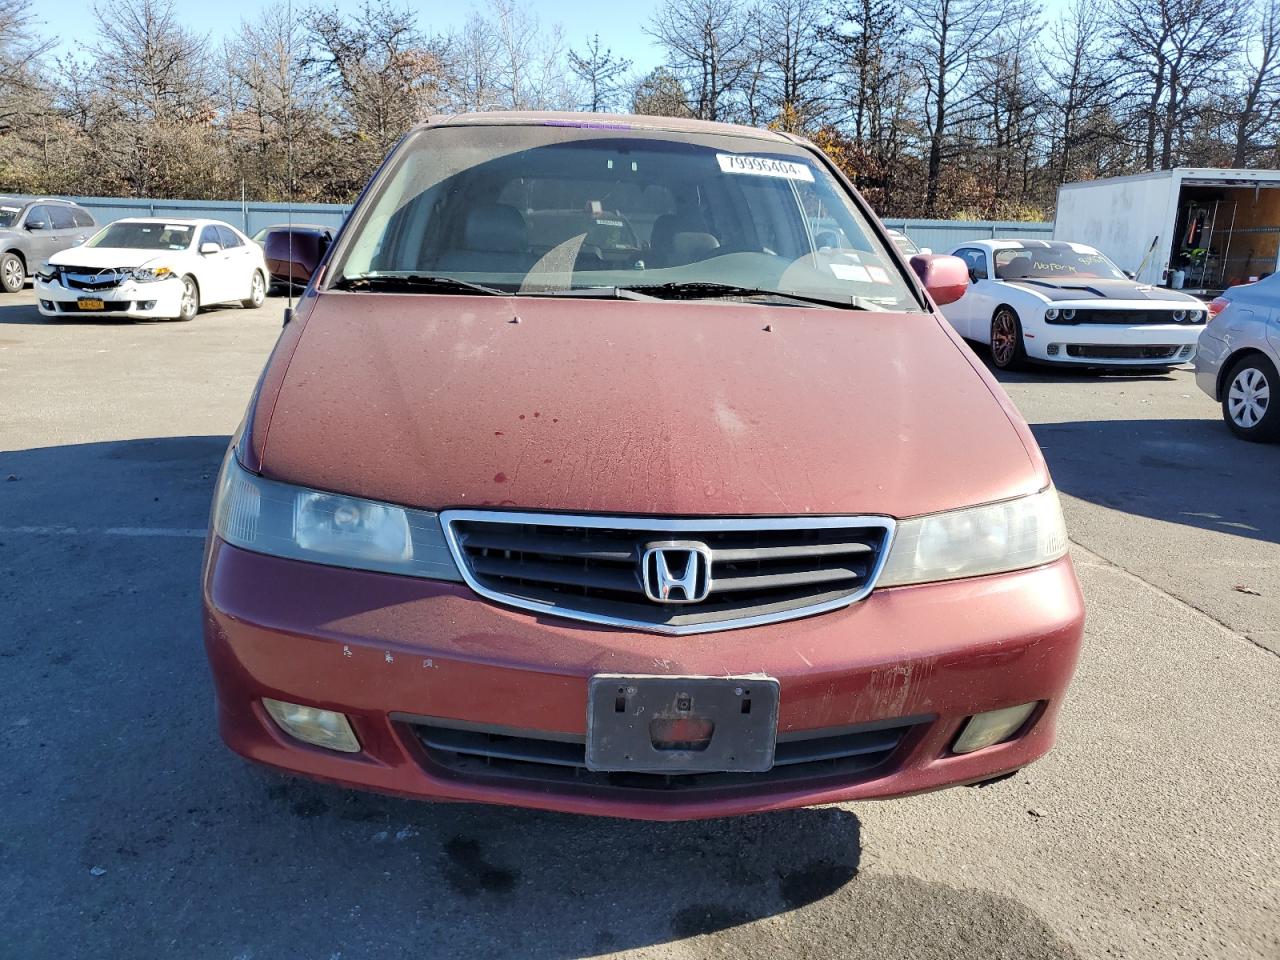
x: 975, y: 260
x: 39, y: 214
x: 82, y: 217
x: 62, y: 217
x: 228, y: 238
x: 209, y: 235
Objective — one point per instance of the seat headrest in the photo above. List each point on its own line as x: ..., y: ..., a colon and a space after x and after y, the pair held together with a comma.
x: 495, y: 227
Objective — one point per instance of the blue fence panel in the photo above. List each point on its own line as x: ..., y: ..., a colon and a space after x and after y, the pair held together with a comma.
x: 249, y: 217
x: 940, y: 236
x: 943, y: 236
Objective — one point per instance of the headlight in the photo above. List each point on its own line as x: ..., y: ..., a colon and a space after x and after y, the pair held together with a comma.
x: 149, y: 274
x: 1051, y: 313
x: 1068, y: 314
x: 997, y: 537
x: 1179, y: 316
x: 282, y: 520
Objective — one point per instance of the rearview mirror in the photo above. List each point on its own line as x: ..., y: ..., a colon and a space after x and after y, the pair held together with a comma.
x: 944, y: 277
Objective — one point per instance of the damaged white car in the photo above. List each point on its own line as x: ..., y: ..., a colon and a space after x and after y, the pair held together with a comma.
x: 1048, y: 301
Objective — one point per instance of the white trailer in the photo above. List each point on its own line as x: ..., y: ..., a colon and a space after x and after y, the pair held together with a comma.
x: 1195, y: 228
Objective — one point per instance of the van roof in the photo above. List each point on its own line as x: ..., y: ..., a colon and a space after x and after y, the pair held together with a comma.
x: 605, y: 121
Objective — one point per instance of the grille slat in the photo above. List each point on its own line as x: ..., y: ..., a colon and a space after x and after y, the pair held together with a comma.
x: 589, y: 568
x: 792, y: 552
x: 798, y: 578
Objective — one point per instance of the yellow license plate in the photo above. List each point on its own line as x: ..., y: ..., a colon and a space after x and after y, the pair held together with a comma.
x: 91, y: 304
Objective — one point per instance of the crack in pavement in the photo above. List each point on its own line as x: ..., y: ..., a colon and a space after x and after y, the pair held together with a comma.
x: 1100, y: 560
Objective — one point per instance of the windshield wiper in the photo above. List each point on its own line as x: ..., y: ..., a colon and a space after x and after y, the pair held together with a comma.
x: 706, y: 290
x: 413, y: 282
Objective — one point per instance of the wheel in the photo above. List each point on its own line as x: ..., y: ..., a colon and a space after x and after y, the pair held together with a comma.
x: 1246, y: 401
x: 12, y: 273
x: 1007, y: 349
x: 257, y: 292
x: 190, y: 304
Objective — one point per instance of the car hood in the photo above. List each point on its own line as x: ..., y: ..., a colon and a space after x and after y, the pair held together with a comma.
x: 634, y: 407
x: 99, y: 258
x: 1091, y: 289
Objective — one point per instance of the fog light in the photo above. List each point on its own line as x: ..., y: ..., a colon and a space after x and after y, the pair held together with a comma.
x: 146, y: 305
x: 324, y: 728
x: 1053, y: 349
x: 47, y: 304
x: 994, y: 726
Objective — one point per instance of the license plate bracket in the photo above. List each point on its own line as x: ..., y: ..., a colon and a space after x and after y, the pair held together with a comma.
x: 663, y: 724
x: 90, y: 303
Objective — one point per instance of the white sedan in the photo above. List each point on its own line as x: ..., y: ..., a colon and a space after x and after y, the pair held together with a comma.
x: 152, y: 269
x: 1049, y: 301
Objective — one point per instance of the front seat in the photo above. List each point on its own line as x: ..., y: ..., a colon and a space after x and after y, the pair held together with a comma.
x: 495, y: 237
x: 680, y: 238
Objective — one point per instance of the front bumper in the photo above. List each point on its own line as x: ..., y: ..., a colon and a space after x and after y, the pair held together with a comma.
x: 1112, y: 344
x: 393, y: 651
x: 129, y: 301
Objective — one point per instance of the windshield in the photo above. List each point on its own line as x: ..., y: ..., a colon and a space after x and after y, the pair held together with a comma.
x: 557, y: 208
x: 1060, y: 262
x: 9, y: 215
x: 143, y: 236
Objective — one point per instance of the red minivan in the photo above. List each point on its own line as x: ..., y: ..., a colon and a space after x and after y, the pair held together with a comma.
x: 620, y: 465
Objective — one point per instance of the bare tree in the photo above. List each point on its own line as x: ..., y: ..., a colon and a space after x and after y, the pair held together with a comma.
x: 797, y: 67
x: 1174, y: 52
x: 708, y: 48
x: 21, y: 47
x: 601, y: 72
x: 950, y: 36
x: 1259, y: 105
x: 1080, y: 79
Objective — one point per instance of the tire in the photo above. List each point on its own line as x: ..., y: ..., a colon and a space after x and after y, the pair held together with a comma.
x: 1008, y: 352
x: 13, y: 273
x: 257, y: 292
x: 1249, y: 399
x: 190, y: 304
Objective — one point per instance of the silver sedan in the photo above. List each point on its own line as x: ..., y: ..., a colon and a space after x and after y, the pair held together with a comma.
x: 1238, y: 357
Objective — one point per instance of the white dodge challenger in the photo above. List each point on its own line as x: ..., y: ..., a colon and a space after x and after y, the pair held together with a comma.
x: 1049, y: 301
x: 153, y: 269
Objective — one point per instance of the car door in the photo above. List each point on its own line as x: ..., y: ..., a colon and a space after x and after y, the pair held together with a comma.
x: 41, y: 242
x: 961, y: 314
x: 241, y: 262
x: 212, y: 269
x: 65, y: 232
x: 983, y: 295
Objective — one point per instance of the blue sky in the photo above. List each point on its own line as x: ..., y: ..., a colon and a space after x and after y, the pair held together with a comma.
x: 619, y: 24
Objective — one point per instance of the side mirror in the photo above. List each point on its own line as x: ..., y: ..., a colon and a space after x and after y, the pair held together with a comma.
x: 1131, y: 275
x: 209, y: 247
x: 294, y: 261
x: 945, y: 278
x: 37, y: 225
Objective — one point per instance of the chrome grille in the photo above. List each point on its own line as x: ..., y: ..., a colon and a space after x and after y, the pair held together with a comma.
x: 590, y: 568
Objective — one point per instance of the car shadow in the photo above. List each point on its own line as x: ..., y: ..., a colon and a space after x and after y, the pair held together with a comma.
x: 28, y: 314
x: 130, y: 824
x: 1192, y: 472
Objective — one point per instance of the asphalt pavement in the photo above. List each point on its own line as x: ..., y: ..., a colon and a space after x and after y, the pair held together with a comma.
x: 127, y: 830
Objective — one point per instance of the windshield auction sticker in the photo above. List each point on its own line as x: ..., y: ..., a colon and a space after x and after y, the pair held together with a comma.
x: 763, y: 167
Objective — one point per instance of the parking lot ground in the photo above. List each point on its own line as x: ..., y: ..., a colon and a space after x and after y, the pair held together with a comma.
x: 127, y: 830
